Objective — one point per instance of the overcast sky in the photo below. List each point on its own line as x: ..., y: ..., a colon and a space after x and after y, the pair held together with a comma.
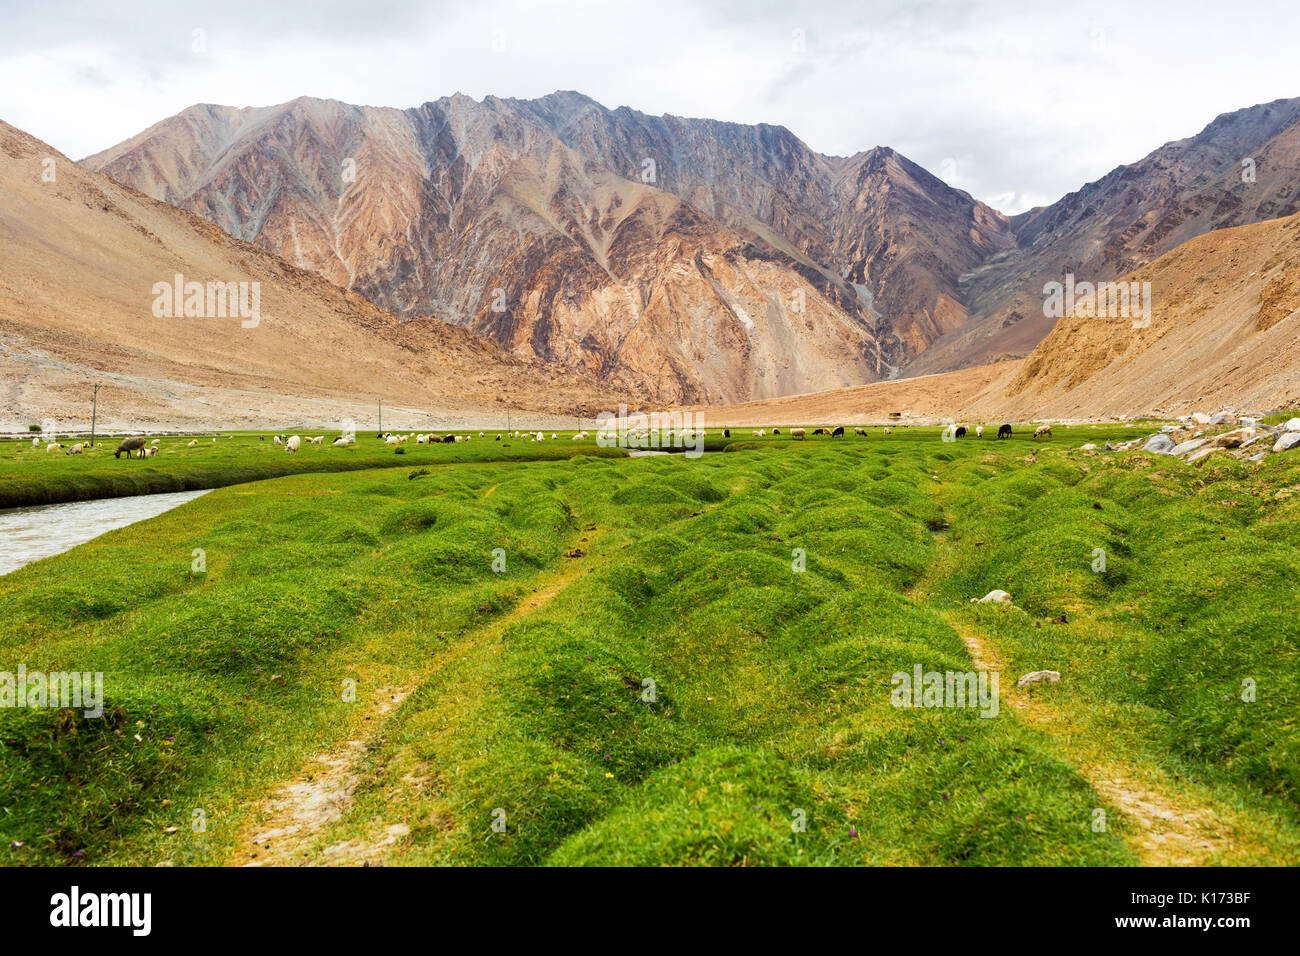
x: 1016, y: 102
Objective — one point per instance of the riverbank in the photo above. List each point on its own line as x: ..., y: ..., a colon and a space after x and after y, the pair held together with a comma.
x: 30, y: 534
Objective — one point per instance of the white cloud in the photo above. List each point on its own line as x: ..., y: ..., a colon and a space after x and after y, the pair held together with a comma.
x: 1025, y: 101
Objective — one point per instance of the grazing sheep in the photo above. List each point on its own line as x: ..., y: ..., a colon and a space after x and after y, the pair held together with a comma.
x: 1004, y: 431
x: 316, y: 441
x: 75, y: 449
x: 345, y: 440
x: 776, y: 431
x: 888, y: 431
x: 393, y: 440
x: 860, y: 431
x: 292, y: 445
x: 148, y: 452
x: 276, y: 440
x: 960, y: 432
x: 155, y: 441
x: 129, y: 445
x: 1043, y: 431
x: 837, y: 431
x: 726, y: 433
x: 422, y: 439
x: 819, y: 431
x: 193, y: 443
x: 53, y: 446
x: 798, y: 432
x: 448, y: 439
x: 759, y: 433
x: 996, y: 596
x: 36, y: 442
x: 979, y: 431
x: 498, y: 438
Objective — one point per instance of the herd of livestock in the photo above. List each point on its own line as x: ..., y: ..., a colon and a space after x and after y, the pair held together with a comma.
x: 140, y: 447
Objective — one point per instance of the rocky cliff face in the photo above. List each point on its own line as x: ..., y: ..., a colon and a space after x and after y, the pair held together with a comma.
x: 689, y: 259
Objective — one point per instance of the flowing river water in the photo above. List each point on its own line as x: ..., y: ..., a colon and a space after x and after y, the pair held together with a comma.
x: 29, y: 534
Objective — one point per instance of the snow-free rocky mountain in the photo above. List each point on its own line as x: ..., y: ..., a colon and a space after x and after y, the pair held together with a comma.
x: 686, y: 260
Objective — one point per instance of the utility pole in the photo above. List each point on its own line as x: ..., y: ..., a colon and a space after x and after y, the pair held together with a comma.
x: 94, y: 404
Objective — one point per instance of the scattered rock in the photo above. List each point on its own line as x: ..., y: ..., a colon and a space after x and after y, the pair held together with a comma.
x: 1159, y: 444
x: 1200, y: 418
x: 1088, y: 447
x: 1220, y: 419
x: 1288, y: 441
x: 1035, y: 677
x: 1235, y: 438
x: 1291, y: 425
x: 1187, y: 447
x: 993, y: 597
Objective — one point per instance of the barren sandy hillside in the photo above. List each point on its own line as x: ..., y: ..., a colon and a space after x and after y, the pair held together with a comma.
x: 82, y: 254
x: 1225, y: 330
x: 927, y: 399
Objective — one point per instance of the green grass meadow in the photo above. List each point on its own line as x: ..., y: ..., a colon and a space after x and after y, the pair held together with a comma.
x: 651, y: 679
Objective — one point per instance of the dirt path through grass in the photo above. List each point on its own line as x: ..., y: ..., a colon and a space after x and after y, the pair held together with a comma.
x: 290, y: 822
x: 1170, y: 831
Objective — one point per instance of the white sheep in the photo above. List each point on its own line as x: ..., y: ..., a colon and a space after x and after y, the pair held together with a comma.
x: 979, y: 431
x: 292, y: 445
x: 75, y: 449
x: 53, y: 446
x: 36, y: 442
x: 193, y: 443
x: 277, y: 441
